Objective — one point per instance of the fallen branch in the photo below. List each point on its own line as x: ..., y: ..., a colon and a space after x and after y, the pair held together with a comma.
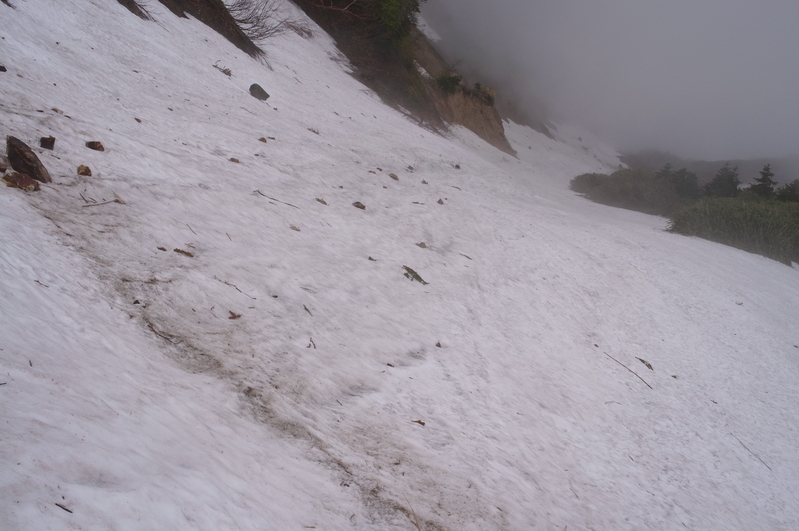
x: 629, y: 369
x: 67, y: 510
x: 117, y: 200
x: 273, y: 199
x: 225, y: 282
x: 751, y: 452
x: 159, y: 334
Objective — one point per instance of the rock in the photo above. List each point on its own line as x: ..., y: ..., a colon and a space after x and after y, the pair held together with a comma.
x: 21, y: 181
x: 95, y: 145
x: 84, y: 170
x: 393, y: 176
x: 358, y: 204
x: 322, y: 201
x: 237, y: 161
x: 262, y: 139
x: 47, y: 142
x: 440, y: 201
x: 24, y: 160
x: 3, y: 69
x: 137, y: 120
x: 423, y: 245
x: 3, y: 167
x: 257, y: 92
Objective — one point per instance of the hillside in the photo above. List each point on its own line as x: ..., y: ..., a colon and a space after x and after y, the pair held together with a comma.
x: 208, y: 333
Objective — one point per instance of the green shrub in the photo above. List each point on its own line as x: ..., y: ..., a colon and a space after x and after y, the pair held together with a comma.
x: 449, y: 82
x: 636, y: 189
x: 725, y: 183
x: 789, y: 192
x: 768, y: 228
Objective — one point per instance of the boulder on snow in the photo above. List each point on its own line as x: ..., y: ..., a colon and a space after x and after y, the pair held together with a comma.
x: 95, y: 145
x: 257, y: 92
x: 21, y: 181
x: 84, y: 170
x: 24, y: 160
x: 47, y: 142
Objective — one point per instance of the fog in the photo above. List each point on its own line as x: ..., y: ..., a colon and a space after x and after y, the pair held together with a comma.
x: 709, y: 79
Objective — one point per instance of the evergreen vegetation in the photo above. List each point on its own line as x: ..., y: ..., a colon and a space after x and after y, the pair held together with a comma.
x: 758, y: 219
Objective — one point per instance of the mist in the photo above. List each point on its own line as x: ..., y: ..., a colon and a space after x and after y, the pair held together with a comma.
x: 705, y: 79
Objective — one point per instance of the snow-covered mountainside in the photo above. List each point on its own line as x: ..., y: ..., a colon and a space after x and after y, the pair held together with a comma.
x: 563, y: 365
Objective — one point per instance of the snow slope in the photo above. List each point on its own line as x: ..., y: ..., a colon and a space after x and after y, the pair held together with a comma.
x: 131, y: 398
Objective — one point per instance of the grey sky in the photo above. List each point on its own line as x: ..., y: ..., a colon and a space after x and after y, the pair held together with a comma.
x: 703, y: 78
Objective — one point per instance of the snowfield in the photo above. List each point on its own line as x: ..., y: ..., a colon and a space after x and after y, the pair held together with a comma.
x: 565, y: 365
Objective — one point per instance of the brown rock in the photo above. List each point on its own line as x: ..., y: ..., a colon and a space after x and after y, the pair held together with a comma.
x: 21, y: 181
x: 95, y: 145
x: 262, y: 139
x: 3, y: 167
x: 237, y: 161
x: 24, y: 160
x: 84, y: 170
x: 393, y: 176
x: 47, y: 142
x: 358, y: 204
x: 440, y: 201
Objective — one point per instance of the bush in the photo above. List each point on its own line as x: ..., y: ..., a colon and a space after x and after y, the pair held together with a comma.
x: 261, y: 19
x: 725, y: 183
x: 637, y: 189
x: 789, y: 192
x: 768, y: 228
x: 449, y: 83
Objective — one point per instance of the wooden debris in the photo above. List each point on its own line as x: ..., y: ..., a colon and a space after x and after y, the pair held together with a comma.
x: 393, y: 176
x: 185, y: 253
x: 61, y: 506
x: 413, y: 275
x: 322, y: 201
x: 117, y: 200
x: 273, y: 199
x: 629, y: 369
x: 648, y: 365
x: 420, y: 422
x: 307, y: 310
x: 234, y: 315
x: 292, y: 227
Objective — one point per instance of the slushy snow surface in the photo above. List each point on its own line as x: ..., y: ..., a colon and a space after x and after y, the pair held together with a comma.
x: 133, y: 397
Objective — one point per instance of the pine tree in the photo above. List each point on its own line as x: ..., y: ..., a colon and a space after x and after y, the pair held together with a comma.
x: 725, y: 183
x: 765, y: 183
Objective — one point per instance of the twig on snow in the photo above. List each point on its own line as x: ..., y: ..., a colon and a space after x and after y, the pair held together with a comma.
x: 225, y: 282
x: 751, y: 452
x: 273, y: 199
x: 67, y: 510
x: 159, y: 334
x: 117, y: 200
x: 192, y: 230
x: 307, y: 310
x: 629, y: 369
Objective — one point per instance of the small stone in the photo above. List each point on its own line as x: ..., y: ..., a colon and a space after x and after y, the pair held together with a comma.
x: 424, y: 182
x: 3, y: 69
x: 457, y: 166
x: 24, y: 160
x: 322, y: 201
x: 84, y: 170
x: 292, y: 227
x: 161, y: 248
x: 423, y: 245
x: 237, y: 161
x: 438, y: 344
x: 47, y: 142
x: 21, y: 181
x: 358, y: 204
x: 440, y: 202
x: 372, y: 259
x: 262, y: 139
x: 393, y: 176
x: 257, y: 92
x: 95, y: 145
x: 137, y: 120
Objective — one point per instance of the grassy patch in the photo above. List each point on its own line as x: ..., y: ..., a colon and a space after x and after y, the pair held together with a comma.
x: 769, y: 228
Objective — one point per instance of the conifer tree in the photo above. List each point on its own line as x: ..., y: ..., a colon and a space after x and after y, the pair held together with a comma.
x: 765, y: 183
x: 725, y: 183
